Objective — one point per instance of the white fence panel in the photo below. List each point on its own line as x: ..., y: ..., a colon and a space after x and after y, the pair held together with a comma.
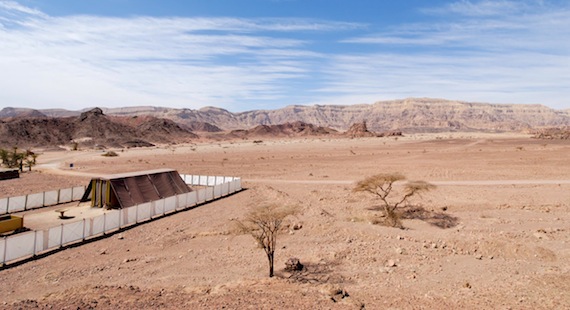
x: 65, y: 195
x: 112, y: 220
x: 232, y: 186
x: 4, y: 205
x: 72, y: 232
x: 39, y: 237
x: 87, y: 228
x: 18, y: 246
x: 191, y: 201
x: 129, y: 215
x: 238, y: 186
x: 201, y: 195
x: 186, y: 178
x: 17, y: 204
x: 170, y: 204
x: 225, y: 189
x: 144, y: 212
x: 209, y: 193
x: 182, y: 200
x: 97, y: 225
x: 50, y: 198
x: 54, y: 237
x: 77, y: 192
x: 211, y: 181
x: 158, y: 207
x: 217, y: 191
x: 2, y: 249
x: 35, y: 201
x: 195, y: 180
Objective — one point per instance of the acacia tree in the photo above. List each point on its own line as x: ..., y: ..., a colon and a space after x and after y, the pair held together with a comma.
x: 382, y: 186
x: 264, y: 223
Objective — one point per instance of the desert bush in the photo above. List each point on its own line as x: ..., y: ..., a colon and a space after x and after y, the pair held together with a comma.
x: 264, y: 224
x: 110, y: 154
x: 17, y: 159
x: 382, y: 186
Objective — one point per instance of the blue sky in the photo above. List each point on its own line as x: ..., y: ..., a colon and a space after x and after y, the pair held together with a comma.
x: 266, y: 54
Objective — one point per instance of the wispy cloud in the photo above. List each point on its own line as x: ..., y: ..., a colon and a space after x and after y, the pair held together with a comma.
x: 186, y: 62
x: 493, y: 51
x: 498, y: 51
x: 480, y: 8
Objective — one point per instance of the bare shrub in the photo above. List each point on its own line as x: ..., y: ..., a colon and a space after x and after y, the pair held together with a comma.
x: 110, y: 154
x: 382, y: 186
x: 264, y: 224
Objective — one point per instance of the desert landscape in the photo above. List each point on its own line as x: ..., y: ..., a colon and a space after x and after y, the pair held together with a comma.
x: 493, y: 234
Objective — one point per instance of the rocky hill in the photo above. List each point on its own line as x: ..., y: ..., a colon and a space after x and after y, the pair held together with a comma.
x: 295, y: 129
x: 89, y: 129
x: 408, y: 115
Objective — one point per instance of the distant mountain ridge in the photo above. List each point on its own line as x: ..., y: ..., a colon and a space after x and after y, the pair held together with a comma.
x: 408, y: 115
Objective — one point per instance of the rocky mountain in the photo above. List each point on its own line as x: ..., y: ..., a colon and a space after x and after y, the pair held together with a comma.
x: 89, y: 129
x: 295, y: 129
x: 19, y: 112
x: 408, y: 115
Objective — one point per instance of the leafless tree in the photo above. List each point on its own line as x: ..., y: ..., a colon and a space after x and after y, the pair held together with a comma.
x: 264, y: 224
x: 382, y: 186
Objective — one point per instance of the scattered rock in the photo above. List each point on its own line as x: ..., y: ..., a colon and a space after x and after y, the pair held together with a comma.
x: 335, y: 293
x: 479, y: 256
x: 293, y: 264
x: 391, y: 263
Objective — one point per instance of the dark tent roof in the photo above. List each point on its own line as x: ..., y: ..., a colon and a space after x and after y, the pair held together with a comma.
x: 129, y: 189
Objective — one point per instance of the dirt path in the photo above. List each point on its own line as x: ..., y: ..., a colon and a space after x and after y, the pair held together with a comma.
x: 439, y: 183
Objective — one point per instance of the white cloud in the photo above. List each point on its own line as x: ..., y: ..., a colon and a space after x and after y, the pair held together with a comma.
x: 496, y: 51
x: 78, y: 61
x: 499, y: 51
x: 480, y: 8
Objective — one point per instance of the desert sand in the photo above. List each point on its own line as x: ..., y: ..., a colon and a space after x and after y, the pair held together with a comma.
x: 494, y: 234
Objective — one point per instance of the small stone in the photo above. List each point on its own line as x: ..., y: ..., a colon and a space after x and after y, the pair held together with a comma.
x: 479, y: 256
x: 399, y: 251
x: 434, y: 245
x: 400, y: 238
x: 466, y: 285
x: 103, y: 252
x: 120, y: 237
x: 293, y: 264
x: 297, y: 226
x: 391, y: 263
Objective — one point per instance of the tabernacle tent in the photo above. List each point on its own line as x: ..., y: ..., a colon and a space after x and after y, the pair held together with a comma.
x: 125, y: 190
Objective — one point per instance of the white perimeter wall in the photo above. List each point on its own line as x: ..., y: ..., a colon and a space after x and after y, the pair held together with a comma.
x: 31, y: 243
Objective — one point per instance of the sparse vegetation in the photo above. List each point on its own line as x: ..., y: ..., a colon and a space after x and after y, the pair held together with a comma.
x: 17, y: 159
x: 382, y: 186
x: 264, y: 224
x: 110, y: 154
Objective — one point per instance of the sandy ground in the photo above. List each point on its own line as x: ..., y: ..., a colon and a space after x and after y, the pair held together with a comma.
x: 503, y: 241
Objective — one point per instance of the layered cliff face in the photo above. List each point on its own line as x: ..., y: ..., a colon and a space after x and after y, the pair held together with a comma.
x: 408, y: 115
